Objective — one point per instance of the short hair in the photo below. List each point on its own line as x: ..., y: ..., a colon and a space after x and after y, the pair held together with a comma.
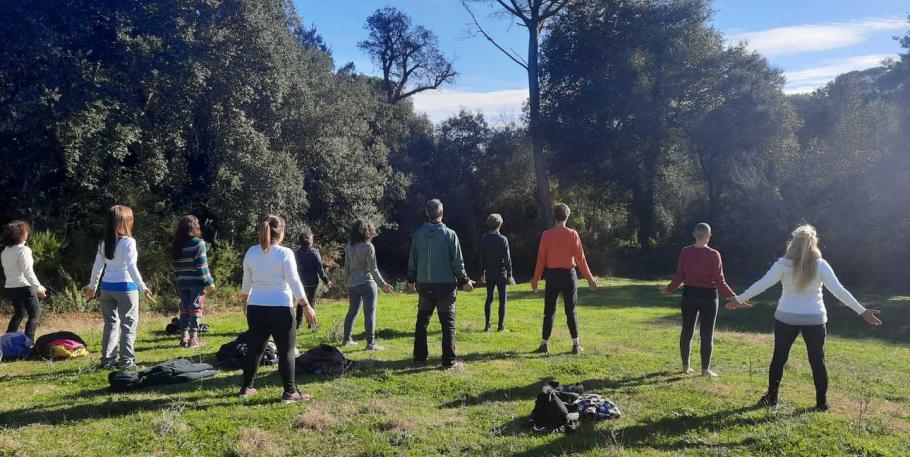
x: 561, y: 212
x: 494, y: 221
x: 15, y: 232
x: 433, y: 208
x: 701, y: 230
x: 361, y: 231
x: 305, y: 234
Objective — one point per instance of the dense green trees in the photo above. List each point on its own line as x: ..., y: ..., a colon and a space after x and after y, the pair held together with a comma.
x: 231, y: 109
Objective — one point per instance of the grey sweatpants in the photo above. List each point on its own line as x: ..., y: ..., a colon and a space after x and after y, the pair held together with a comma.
x: 121, y: 320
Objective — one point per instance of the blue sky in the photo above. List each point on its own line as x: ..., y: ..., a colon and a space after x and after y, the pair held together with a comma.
x: 811, y: 40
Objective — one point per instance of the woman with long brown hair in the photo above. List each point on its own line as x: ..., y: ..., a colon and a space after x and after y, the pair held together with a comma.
x: 801, y: 309
x: 191, y: 267
x: 271, y: 285
x: 363, y: 280
x: 117, y: 270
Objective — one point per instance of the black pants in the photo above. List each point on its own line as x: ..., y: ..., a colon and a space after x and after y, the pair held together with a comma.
x: 440, y: 297
x: 25, y: 302
x: 501, y: 285
x: 277, y: 322
x: 560, y: 282
x: 311, y: 292
x: 814, y: 336
x: 701, y: 309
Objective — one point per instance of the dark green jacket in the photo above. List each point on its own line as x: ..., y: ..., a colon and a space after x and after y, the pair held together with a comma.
x: 436, y: 256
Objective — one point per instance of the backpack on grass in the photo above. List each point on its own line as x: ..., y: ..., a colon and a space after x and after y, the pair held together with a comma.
x: 232, y: 354
x: 15, y: 346
x: 324, y: 359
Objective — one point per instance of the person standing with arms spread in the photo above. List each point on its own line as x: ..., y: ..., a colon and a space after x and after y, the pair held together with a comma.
x: 311, y: 269
x: 496, y: 262
x: 22, y: 286
x: 363, y: 279
x: 559, y: 253
x: 701, y: 269
x: 435, y: 271
x: 801, y: 309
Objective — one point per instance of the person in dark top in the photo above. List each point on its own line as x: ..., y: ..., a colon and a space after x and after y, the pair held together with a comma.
x: 309, y: 264
x: 496, y: 262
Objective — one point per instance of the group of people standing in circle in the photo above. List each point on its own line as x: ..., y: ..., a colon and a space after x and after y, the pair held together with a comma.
x: 275, y: 279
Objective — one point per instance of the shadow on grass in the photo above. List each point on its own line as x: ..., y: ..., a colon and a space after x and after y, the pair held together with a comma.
x: 666, y: 433
x: 842, y: 321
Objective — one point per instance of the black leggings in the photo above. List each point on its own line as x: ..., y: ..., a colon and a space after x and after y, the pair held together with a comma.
x: 25, y: 302
x: 814, y: 336
x: 560, y: 282
x: 501, y: 285
x: 277, y: 322
x: 311, y: 292
x: 703, y: 310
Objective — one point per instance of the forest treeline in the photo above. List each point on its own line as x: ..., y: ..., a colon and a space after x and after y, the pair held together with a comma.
x: 233, y: 108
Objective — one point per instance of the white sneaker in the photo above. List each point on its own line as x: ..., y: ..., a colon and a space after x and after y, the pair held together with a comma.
x: 708, y: 373
x: 349, y: 343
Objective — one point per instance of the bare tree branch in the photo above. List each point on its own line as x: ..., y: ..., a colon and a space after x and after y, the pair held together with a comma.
x: 552, y: 9
x: 511, y: 55
x: 515, y: 10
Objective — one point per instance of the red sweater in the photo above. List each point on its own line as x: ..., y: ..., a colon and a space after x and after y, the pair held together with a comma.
x: 560, y: 247
x: 700, y: 267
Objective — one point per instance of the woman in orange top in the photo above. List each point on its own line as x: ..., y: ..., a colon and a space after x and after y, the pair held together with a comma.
x: 559, y: 253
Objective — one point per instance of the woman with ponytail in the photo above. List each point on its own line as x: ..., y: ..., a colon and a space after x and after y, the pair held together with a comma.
x: 271, y: 287
x: 802, y: 272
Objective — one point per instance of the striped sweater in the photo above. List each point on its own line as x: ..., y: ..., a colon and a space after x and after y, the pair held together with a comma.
x: 192, y: 266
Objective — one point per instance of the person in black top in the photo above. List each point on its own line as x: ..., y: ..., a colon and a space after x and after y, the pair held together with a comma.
x: 496, y: 262
x: 309, y: 265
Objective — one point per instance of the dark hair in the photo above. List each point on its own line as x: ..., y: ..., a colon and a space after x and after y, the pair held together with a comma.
x: 119, y: 223
x: 187, y: 229
x: 271, y: 231
x: 362, y: 231
x: 305, y: 234
x: 433, y: 209
x: 561, y: 212
x: 14, y: 232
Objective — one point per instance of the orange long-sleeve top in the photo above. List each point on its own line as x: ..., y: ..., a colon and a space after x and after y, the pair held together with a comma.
x: 560, y: 247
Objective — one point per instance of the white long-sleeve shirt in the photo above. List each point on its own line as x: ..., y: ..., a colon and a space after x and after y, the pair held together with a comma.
x: 123, y: 268
x: 19, y: 267
x: 802, y: 306
x: 270, y: 277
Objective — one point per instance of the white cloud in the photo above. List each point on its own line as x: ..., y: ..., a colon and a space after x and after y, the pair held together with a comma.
x: 496, y: 106
x: 800, y: 39
x: 809, y: 79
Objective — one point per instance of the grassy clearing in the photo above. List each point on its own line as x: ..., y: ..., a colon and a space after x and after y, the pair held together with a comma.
x: 387, y: 408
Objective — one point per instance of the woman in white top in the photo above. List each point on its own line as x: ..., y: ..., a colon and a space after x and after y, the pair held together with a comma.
x: 22, y: 286
x: 802, y: 272
x: 117, y: 270
x: 271, y: 286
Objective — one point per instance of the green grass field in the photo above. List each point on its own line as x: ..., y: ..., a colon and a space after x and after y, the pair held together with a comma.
x: 385, y: 407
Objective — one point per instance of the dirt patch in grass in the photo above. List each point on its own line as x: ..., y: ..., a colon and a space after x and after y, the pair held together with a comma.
x: 255, y: 442
x: 318, y: 417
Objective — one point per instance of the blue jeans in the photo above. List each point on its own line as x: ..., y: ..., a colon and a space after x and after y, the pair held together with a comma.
x: 192, y: 305
x: 362, y: 295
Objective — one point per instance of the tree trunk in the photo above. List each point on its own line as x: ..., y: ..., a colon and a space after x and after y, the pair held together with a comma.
x: 541, y: 174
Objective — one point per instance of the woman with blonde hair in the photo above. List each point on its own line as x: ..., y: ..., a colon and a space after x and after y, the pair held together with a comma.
x: 271, y: 285
x: 801, y: 309
x: 116, y: 268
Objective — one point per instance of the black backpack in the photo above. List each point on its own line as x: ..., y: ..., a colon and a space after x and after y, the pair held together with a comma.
x: 324, y: 359
x: 232, y: 354
x: 550, y: 411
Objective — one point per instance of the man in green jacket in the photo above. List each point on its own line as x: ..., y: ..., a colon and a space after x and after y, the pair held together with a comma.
x: 435, y: 271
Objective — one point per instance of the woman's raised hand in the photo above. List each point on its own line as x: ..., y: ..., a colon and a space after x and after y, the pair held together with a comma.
x: 871, y: 316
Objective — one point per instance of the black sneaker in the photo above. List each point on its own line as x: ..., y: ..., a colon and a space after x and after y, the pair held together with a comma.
x: 577, y: 349
x: 488, y: 328
x: 543, y: 349
x: 106, y: 365
x: 768, y: 400
x: 821, y: 404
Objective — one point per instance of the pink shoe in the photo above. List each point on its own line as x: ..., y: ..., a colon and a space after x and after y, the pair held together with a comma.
x: 247, y: 392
